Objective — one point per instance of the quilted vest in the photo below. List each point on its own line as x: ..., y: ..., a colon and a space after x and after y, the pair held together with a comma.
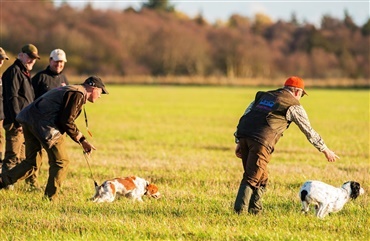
x: 266, y: 121
x: 47, y: 108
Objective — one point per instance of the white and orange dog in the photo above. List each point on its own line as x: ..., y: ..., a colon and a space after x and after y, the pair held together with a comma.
x: 131, y: 187
x: 327, y: 198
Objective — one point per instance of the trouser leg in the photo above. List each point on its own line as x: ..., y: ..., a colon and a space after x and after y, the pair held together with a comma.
x: 14, y: 142
x: 32, y: 180
x: 27, y: 167
x: 255, y: 158
x: 58, y: 161
x: 2, y: 144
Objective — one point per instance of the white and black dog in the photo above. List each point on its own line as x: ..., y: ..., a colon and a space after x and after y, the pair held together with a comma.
x: 327, y: 198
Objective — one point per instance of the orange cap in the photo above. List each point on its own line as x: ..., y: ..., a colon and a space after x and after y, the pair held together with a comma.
x: 295, y: 81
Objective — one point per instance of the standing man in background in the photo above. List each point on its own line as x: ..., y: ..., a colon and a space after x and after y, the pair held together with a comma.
x: 52, y: 76
x: 43, y: 81
x: 17, y: 94
x: 258, y: 131
x: 3, y: 57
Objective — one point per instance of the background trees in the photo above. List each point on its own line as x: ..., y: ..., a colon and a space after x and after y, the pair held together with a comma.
x: 158, y: 40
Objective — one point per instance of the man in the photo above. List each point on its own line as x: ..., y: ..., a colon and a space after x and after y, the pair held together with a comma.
x: 52, y: 76
x: 3, y: 57
x: 43, y: 81
x: 260, y: 128
x: 17, y: 93
x: 44, y: 122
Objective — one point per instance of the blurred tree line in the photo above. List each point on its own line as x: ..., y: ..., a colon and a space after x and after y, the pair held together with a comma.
x: 158, y: 40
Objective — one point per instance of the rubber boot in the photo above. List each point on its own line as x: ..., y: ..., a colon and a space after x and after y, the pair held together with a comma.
x: 243, y: 198
x: 255, y: 204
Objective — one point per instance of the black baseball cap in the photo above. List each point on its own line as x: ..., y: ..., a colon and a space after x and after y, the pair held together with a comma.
x: 96, y: 82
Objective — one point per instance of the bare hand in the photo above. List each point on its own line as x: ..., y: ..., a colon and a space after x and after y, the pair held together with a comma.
x: 238, y: 152
x: 87, y: 147
x: 330, y: 155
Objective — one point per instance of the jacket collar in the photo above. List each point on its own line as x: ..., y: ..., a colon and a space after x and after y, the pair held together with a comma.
x: 23, y: 68
x: 50, y: 72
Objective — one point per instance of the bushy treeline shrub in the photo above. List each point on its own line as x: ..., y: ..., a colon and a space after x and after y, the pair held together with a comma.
x: 156, y: 42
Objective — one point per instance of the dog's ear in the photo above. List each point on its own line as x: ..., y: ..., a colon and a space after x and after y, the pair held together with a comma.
x: 355, y: 189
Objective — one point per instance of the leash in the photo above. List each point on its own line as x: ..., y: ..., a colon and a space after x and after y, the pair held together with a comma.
x: 86, y: 123
x: 87, y: 157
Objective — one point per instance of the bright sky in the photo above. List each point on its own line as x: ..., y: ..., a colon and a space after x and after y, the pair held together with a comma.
x: 305, y: 10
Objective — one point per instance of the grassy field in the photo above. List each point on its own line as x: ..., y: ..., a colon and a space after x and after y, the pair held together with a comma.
x: 181, y: 138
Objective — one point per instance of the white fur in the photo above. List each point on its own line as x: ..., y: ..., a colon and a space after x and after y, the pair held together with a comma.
x: 327, y: 198
x: 131, y: 187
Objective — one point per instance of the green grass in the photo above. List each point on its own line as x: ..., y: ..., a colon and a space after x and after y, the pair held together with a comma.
x: 181, y: 138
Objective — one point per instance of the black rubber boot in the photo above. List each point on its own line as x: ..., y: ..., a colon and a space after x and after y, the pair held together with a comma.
x: 243, y: 198
x: 255, y: 204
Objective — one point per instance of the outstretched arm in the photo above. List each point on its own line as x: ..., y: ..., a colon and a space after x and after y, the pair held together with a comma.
x: 298, y: 115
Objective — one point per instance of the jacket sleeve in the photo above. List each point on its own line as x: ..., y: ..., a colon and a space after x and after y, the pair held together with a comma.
x: 298, y: 115
x: 71, y: 109
x: 36, y: 85
x: 12, y: 100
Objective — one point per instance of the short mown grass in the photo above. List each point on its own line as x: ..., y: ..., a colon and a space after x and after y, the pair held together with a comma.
x: 181, y: 138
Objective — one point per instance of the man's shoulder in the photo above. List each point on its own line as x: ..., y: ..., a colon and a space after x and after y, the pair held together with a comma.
x: 12, y: 68
x: 75, y: 88
x: 11, y: 72
x: 40, y: 74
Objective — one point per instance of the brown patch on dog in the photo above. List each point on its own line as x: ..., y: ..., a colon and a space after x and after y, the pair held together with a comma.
x: 127, y: 182
x: 112, y: 187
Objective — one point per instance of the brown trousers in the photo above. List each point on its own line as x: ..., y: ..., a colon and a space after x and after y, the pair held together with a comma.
x: 15, y: 152
x: 255, y: 158
x: 14, y: 147
x: 58, y: 162
x: 2, y: 141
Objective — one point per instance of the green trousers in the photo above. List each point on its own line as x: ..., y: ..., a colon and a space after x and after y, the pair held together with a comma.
x: 14, y: 147
x: 58, y: 163
x: 2, y: 142
x: 15, y: 152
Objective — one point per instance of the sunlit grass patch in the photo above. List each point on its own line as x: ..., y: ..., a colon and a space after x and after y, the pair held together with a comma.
x: 181, y: 138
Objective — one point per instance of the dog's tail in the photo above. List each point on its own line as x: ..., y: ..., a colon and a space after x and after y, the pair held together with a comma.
x: 303, y: 195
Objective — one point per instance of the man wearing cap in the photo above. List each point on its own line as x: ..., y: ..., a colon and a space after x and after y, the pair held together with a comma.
x: 44, y: 122
x: 52, y: 76
x: 260, y: 128
x: 17, y: 94
x: 3, y: 57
